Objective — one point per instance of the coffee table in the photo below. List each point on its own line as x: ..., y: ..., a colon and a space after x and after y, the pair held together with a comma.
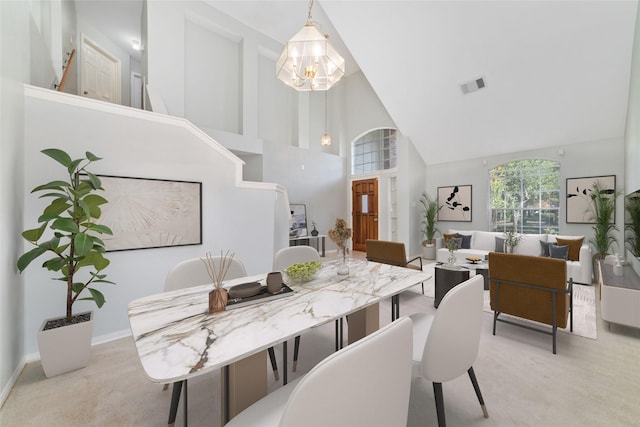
x: 480, y: 268
x: 446, y: 278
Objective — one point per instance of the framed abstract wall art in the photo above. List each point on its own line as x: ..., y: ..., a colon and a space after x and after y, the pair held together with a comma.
x: 298, y: 221
x: 455, y: 202
x: 151, y: 213
x: 579, y: 197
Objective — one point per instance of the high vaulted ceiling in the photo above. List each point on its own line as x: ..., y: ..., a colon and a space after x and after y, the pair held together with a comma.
x: 556, y: 72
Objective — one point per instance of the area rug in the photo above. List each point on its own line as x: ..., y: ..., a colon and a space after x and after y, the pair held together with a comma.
x: 584, y: 306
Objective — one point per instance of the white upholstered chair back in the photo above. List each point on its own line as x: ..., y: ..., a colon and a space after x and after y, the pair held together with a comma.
x: 193, y: 272
x: 454, y: 337
x: 367, y: 383
x: 293, y: 255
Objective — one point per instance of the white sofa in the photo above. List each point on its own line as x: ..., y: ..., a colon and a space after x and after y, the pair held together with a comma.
x: 483, y: 242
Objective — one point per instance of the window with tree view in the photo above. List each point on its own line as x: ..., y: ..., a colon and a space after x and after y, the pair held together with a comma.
x: 525, y: 195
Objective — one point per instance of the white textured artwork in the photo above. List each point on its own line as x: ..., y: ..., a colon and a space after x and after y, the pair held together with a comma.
x: 150, y: 213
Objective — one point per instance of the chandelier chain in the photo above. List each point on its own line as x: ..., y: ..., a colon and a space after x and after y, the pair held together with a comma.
x: 309, y: 19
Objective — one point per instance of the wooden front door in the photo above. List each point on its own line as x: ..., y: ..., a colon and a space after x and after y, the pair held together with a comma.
x: 364, y: 196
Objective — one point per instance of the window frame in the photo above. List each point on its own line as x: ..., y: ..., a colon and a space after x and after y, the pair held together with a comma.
x: 515, y: 211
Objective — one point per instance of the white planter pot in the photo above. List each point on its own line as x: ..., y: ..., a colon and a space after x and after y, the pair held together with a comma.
x: 429, y: 251
x: 66, y: 348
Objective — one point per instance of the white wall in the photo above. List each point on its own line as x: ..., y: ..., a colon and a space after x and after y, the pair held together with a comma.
x: 15, y: 31
x: 316, y: 180
x: 594, y: 158
x: 632, y: 132
x: 136, y: 143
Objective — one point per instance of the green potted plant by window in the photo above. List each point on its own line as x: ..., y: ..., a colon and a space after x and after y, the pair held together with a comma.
x: 632, y: 240
x: 430, y: 211
x: 68, y: 233
x: 601, y: 211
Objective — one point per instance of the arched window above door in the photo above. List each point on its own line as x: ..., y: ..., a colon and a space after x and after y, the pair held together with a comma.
x: 375, y: 150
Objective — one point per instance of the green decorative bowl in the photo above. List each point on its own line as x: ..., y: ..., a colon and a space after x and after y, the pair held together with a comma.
x: 304, y: 271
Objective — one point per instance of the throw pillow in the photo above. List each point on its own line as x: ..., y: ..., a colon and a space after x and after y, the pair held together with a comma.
x: 499, y: 244
x: 447, y: 236
x: 544, y: 248
x: 466, y: 241
x: 574, y: 247
x: 560, y: 252
x: 457, y: 241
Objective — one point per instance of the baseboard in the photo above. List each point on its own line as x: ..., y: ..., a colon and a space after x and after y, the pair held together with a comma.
x: 12, y: 381
x: 110, y: 337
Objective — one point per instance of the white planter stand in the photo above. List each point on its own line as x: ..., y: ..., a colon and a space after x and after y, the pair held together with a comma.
x: 429, y: 251
x: 65, y: 349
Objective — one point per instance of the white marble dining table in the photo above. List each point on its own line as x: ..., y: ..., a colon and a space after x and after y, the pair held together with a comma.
x: 177, y: 339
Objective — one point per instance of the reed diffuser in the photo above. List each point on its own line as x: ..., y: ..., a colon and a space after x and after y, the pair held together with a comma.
x: 217, y: 268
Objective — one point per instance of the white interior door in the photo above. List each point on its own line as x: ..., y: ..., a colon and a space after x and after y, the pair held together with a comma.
x: 100, y: 75
x: 136, y: 90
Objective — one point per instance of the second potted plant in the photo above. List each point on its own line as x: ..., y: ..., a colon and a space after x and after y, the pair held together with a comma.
x: 430, y: 211
x: 76, y: 254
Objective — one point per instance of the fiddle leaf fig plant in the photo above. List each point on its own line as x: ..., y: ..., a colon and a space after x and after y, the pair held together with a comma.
x: 72, y: 234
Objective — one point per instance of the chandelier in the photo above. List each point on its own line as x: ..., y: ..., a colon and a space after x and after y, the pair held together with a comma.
x: 308, y: 61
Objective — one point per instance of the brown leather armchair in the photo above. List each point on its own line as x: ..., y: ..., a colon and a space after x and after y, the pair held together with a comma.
x: 393, y: 253
x: 533, y: 288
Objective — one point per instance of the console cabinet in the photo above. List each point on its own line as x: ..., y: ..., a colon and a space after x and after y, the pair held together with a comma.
x: 620, y: 296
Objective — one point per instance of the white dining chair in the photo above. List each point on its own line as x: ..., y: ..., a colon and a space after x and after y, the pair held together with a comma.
x: 365, y: 384
x: 193, y: 272
x: 293, y: 255
x: 283, y: 259
x: 446, y: 344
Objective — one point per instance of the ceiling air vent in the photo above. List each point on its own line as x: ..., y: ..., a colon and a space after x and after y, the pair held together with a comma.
x: 472, y: 86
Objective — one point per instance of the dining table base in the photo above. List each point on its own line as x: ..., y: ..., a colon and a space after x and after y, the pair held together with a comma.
x: 243, y: 383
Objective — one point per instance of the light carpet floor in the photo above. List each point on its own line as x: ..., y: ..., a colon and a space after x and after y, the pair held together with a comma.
x: 588, y: 383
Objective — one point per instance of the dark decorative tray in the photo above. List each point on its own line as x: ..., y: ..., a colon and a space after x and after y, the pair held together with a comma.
x: 262, y: 296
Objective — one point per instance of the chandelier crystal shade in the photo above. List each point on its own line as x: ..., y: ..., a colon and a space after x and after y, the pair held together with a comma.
x: 308, y: 61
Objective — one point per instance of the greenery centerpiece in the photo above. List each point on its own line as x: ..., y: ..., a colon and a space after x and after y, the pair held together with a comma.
x: 511, y: 239
x: 430, y: 211
x: 632, y: 240
x: 340, y: 235
x: 452, y: 246
x: 68, y: 232
x: 303, y: 271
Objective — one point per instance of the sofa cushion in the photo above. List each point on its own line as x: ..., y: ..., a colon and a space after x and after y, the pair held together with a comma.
x: 499, y: 244
x: 529, y: 245
x: 560, y: 252
x: 447, y: 236
x: 574, y: 247
x: 485, y: 240
x: 466, y: 240
x: 544, y: 248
